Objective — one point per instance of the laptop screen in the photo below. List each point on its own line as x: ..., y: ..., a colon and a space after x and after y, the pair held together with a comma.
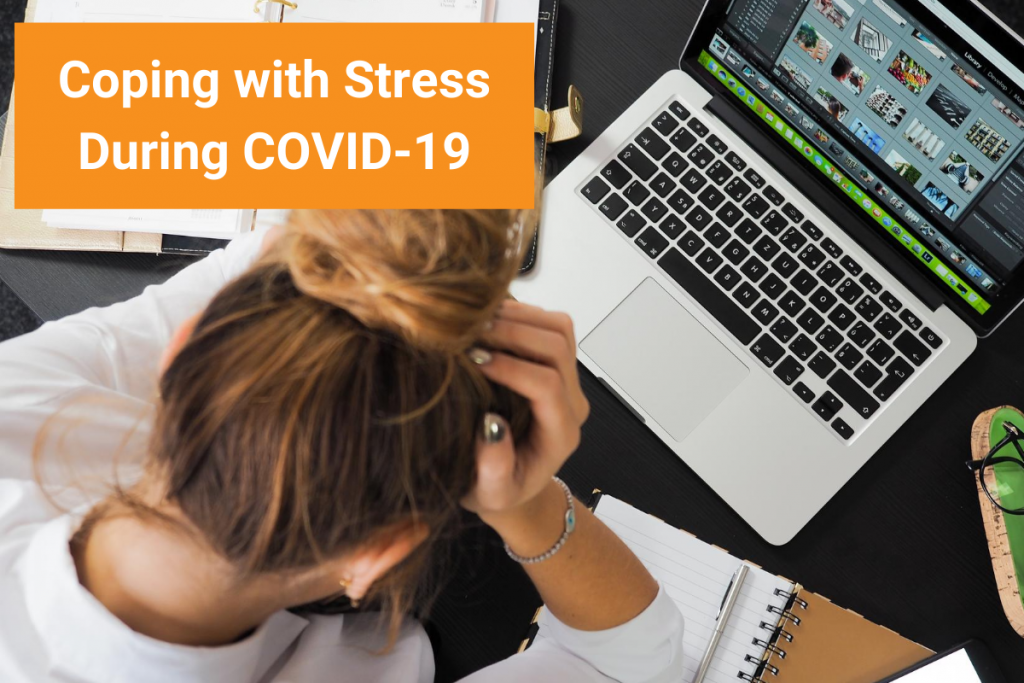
x: 923, y: 137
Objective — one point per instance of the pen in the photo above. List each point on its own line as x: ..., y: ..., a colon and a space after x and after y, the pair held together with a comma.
x: 731, y: 594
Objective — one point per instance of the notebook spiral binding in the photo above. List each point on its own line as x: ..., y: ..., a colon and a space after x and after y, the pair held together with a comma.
x: 776, y: 633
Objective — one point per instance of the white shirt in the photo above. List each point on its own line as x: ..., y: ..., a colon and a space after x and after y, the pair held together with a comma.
x: 96, y: 371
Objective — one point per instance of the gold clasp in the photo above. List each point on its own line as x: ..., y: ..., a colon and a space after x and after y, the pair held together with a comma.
x: 286, y: 3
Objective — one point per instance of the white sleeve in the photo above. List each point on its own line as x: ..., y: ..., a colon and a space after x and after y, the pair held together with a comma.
x: 647, y: 649
x: 104, y: 357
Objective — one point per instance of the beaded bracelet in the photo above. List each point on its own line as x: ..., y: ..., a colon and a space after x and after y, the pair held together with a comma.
x: 570, y: 526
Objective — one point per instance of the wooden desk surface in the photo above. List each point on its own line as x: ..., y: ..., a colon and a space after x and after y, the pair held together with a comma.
x: 901, y: 544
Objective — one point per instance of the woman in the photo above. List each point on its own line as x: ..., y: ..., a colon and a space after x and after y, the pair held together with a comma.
x: 316, y: 427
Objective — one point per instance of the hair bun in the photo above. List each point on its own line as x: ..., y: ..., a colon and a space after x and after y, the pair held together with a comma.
x: 433, y: 277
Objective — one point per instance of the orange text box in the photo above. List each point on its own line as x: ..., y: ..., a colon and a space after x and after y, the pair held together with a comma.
x: 479, y: 119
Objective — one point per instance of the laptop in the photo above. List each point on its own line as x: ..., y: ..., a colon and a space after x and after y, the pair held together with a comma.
x: 786, y: 245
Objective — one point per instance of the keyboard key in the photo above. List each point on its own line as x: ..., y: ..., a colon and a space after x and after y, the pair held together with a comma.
x: 804, y: 282
x: 854, y: 394
x: 665, y: 123
x: 784, y: 329
x: 830, y: 274
x: 821, y: 365
x: 735, y: 252
x: 748, y: 231
x: 891, y: 302
x: 616, y: 174
x: 745, y: 295
x: 785, y: 265
x: 848, y: 356
x: 683, y: 140
x: 849, y: 291
x: 827, y: 406
x: 693, y: 180
x: 613, y: 206
x: 791, y: 304
x: 909, y: 346
x: 698, y: 127
x: 872, y: 285
x: 812, y: 230
x: 803, y: 347
x: 910, y: 320
x: 704, y: 292
x: 869, y: 309
x: 755, y: 205
x: 764, y: 312
x: 699, y: 218
x: 852, y: 267
x: 595, y: 190
x: 729, y: 214
x: 727, y: 277
x: 735, y: 161
x: 675, y: 164
x: 712, y: 197
x: 716, y: 144
x: 717, y: 235
x: 867, y: 374
x: 654, y: 210
x: 680, y: 202
x: 832, y: 248
x: 861, y: 335
x: 679, y: 110
x: 880, y: 352
x: 737, y: 189
x: 652, y: 143
x: 631, y: 223
x: 701, y: 156
x: 672, y: 226
x: 637, y: 161
x: 708, y: 260
x: 812, y: 257
x: 766, y: 248
x: 841, y: 316
x: 754, y: 177
x: 888, y: 326
x: 774, y: 222
x: 841, y: 428
x: 636, y: 193
x: 793, y: 240
x: 652, y: 242
x: 930, y: 338
x: 810, y: 321
x: 773, y: 195
x: 754, y: 269
x: 792, y: 213
x: 829, y: 338
x: 895, y: 376
x: 691, y: 243
x: 767, y: 350
x: 789, y: 370
x: 772, y: 286
x: 803, y: 393
x: 719, y: 172
x: 662, y: 185
x: 823, y: 300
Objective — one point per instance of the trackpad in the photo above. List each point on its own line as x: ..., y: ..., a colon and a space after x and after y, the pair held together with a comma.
x: 664, y: 359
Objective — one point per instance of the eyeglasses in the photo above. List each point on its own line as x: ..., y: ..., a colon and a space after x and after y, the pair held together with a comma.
x: 1012, y: 469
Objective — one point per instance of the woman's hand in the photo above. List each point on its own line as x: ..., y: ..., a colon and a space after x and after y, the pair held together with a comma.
x: 533, y: 353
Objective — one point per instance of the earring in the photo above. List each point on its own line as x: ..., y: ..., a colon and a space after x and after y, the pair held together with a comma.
x: 345, y: 582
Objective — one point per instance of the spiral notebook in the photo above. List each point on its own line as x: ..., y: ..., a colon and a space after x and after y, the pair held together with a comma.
x: 777, y: 631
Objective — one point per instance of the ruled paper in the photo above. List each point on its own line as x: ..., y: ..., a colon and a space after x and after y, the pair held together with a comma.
x: 696, y: 576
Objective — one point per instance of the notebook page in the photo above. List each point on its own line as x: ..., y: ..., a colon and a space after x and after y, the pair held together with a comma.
x: 412, y: 11
x: 147, y: 11
x: 696, y: 576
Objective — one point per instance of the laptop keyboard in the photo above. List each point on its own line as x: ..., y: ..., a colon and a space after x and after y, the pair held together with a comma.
x: 822, y: 324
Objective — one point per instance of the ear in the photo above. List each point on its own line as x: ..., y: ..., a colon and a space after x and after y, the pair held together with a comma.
x: 368, y: 564
x: 178, y: 339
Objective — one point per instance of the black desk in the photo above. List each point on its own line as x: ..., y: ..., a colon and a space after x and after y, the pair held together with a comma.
x: 902, y: 543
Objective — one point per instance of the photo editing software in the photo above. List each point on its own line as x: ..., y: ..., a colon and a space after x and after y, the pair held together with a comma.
x: 927, y: 138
